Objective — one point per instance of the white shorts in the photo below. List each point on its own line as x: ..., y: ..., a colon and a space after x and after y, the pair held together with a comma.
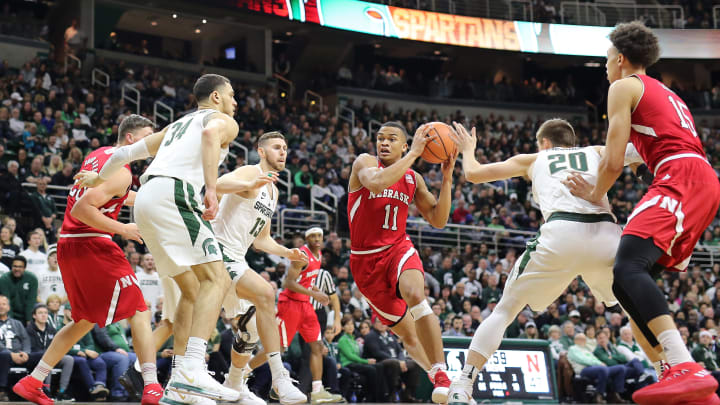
x: 561, y: 251
x: 171, y: 297
x: 168, y: 213
x: 233, y: 305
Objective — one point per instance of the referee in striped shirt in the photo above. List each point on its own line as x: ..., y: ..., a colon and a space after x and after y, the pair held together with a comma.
x: 325, y: 284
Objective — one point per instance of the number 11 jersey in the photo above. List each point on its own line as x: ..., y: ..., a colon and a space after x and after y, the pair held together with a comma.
x: 239, y: 220
x: 379, y: 220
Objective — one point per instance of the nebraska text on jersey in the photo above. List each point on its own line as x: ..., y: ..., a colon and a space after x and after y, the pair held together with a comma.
x: 388, y: 193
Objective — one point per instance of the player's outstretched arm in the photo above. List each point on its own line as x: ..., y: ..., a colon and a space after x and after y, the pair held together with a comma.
x: 475, y: 172
x: 243, y: 179
x: 621, y: 98
x: 87, y: 207
x: 267, y: 244
x: 291, y: 284
x: 376, y: 179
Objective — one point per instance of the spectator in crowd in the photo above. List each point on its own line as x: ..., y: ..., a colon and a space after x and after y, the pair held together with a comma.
x: 3, y: 268
x: 704, y: 354
x: 457, y: 327
x: 41, y: 334
x: 530, y: 332
x: 43, y: 202
x: 627, y: 346
x: 49, y: 279
x: 87, y: 358
x: 117, y: 360
x: 20, y: 287
x: 10, y: 249
x: 56, y: 318
x: 349, y: 355
x: 588, y: 366
x: 14, y: 345
x: 36, y: 258
x: 63, y: 178
x: 149, y: 281
x: 590, y: 336
x: 568, y: 337
x: 610, y: 356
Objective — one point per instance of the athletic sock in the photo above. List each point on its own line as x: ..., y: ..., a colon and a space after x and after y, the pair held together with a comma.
x: 177, y: 361
x: 317, y: 386
x: 149, y: 373
x: 674, y: 347
x: 275, y: 363
x: 136, y: 365
x: 196, y: 349
x: 469, y: 372
x: 42, y: 370
x: 235, y: 376
x: 659, y: 367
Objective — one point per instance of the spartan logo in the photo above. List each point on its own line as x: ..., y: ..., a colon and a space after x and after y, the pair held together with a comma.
x: 209, y: 247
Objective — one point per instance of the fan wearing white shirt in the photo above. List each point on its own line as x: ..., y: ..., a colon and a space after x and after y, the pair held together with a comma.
x: 49, y: 279
x: 36, y: 259
x: 149, y: 280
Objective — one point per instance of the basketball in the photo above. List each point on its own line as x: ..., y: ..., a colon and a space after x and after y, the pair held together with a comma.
x: 441, y: 148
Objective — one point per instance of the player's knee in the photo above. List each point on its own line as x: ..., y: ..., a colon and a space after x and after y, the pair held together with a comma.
x: 316, y: 347
x: 420, y: 310
x: 247, y: 335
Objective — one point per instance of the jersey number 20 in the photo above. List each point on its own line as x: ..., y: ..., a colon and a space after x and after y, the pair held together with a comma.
x: 577, y: 160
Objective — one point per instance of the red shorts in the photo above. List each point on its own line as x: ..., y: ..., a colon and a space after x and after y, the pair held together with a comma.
x: 297, y: 316
x: 677, y: 209
x: 100, y: 284
x: 377, y: 275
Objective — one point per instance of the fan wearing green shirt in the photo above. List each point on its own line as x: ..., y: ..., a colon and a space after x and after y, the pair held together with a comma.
x: 349, y: 356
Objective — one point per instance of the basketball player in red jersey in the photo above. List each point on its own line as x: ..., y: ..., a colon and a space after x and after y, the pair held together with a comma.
x: 100, y: 283
x: 385, y: 265
x: 666, y: 224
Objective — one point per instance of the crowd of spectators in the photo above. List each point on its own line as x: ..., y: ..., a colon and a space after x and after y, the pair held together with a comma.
x: 50, y: 119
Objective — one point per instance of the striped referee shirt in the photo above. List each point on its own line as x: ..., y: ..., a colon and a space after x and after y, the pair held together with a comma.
x: 324, y: 282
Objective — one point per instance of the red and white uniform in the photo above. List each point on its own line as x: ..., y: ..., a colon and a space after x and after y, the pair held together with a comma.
x: 295, y: 312
x: 683, y: 199
x: 100, y: 283
x: 380, y: 248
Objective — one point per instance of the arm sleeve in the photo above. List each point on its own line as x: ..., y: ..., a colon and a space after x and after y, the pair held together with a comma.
x: 122, y: 156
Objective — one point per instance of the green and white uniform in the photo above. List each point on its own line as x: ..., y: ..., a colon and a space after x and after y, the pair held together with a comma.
x: 578, y: 238
x: 239, y: 221
x: 168, y: 206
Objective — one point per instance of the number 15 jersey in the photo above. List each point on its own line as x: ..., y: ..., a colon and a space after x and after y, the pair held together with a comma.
x: 379, y: 220
x: 239, y: 220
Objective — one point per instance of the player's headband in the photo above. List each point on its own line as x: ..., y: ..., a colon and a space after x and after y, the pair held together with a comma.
x: 313, y: 230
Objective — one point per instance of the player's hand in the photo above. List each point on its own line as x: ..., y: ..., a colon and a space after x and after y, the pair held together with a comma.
x: 320, y: 296
x: 81, y: 354
x: 337, y: 327
x: 167, y: 353
x: 130, y: 231
x: 448, y: 166
x: 297, y: 255
x: 403, y: 366
x: 211, y: 205
x: 86, y: 178
x: 263, y: 179
x: 466, y: 142
x: 92, y: 354
x: 371, y: 361
x: 580, y: 187
x: 121, y: 351
x: 420, y: 139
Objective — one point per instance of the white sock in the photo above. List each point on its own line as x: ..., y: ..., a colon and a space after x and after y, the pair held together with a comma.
x: 177, y: 360
x: 674, y: 347
x: 235, y: 375
x: 658, y: 366
x: 149, y: 373
x: 137, y: 366
x: 275, y: 363
x: 196, y: 349
x: 42, y: 370
x: 317, y: 386
x: 469, y: 372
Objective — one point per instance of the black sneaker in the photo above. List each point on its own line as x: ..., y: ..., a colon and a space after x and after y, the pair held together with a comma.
x: 64, y: 397
x: 99, y: 393
x: 132, y: 381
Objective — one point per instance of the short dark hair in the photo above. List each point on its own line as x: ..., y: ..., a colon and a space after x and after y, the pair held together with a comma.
x: 636, y: 42
x: 206, y: 84
x: 38, y: 306
x: 558, y: 131
x: 398, y: 125
x: 132, y: 123
x: 21, y: 259
x: 269, y: 135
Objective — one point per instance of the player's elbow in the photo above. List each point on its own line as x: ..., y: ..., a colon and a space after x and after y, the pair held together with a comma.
x: 615, y: 166
x: 438, y: 223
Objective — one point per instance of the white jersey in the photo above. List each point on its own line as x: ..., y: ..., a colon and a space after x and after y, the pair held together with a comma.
x: 49, y: 282
x: 240, y: 220
x: 554, y: 165
x: 180, y: 153
x: 150, y: 287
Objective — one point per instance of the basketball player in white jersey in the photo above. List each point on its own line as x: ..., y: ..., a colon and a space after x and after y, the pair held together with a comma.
x: 578, y: 238
x: 174, y: 224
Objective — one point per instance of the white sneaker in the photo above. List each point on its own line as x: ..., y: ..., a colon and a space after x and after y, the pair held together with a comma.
x: 189, y: 378
x: 286, y: 391
x: 247, y: 397
x: 460, y: 394
x: 176, y: 398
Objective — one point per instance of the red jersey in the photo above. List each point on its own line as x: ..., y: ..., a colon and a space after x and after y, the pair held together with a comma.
x: 307, y: 277
x: 379, y: 220
x: 662, y: 125
x: 93, y: 162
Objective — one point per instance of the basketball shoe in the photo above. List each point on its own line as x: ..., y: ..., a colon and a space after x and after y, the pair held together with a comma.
x: 288, y: 394
x: 441, y: 384
x: 32, y: 390
x: 176, y: 398
x: 460, y: 392
x: 247, y: 397
x: 191, y: 377
x: 152, y: 394
x: 683, y: 383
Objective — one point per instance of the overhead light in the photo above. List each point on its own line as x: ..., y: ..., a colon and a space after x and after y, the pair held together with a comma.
x: 276, y: 41
x: 204, y: 21
x: 197, y: 30
x: 154, y: 23
x: 174, y: 15
x: 436, y: 52
x: 376, y: 45
x: 288, y: 33
x: 592, y: 64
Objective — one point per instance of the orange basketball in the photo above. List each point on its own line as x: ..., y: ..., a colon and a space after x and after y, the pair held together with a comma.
x: 439, y: 149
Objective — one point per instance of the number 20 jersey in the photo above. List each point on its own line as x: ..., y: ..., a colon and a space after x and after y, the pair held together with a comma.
x: 553, y: 166
x: 93, y: 162
x: 239, y: 220
x: 379, y: 220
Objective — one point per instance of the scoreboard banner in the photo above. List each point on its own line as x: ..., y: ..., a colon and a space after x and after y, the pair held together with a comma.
x: 520, y: 369
x: 448, y: 29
